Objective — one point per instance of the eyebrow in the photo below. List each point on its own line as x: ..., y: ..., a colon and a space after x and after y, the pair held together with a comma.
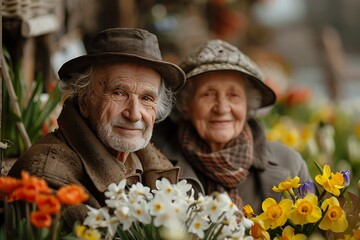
x: 120, y: 85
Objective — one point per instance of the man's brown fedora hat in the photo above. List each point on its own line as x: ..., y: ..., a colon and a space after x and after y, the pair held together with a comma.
x: 129, y: 45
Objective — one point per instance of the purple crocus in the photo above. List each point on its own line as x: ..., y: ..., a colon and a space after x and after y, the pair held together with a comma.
x: 346, y: 175
x: 307, y: 187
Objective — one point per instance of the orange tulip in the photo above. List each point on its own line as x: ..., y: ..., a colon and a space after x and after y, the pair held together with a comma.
x: 298, y: 96
x: 38, y: 184
x: 8, y: 184
x: 72, y: 195
x: 40, y: 219
x: 29, y: 187
x: 48, y: 204
x: 27, y: 193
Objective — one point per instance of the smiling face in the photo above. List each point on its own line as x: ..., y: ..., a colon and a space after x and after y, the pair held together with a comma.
x: 217, y: 107
x: 123, y: 104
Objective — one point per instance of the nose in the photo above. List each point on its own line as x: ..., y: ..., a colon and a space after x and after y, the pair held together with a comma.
x: 132, y: 110
x: 221, y: 106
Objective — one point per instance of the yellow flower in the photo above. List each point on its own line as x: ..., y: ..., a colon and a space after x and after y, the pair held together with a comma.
x: 288, y: 185
x: 275, y: 133
x: 335, y: 218
x: 332, y: 182
x: 85, y: 233
x: 258, y: 231
x: 248, y: 211
x: 289, y: 234
x: 275, y: 214
x: 291, y: 137
x: 346, y: 237
x: 356, y: 233
x: 357, y: 129
x: 305, y: 210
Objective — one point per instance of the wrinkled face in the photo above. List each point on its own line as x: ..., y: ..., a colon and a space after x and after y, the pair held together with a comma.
x: 218, y: 107
x: 123, y: 105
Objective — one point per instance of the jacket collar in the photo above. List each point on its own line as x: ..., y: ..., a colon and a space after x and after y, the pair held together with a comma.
x: 101, y: 166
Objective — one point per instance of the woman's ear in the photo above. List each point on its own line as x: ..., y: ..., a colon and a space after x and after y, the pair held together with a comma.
x: 84, y: 106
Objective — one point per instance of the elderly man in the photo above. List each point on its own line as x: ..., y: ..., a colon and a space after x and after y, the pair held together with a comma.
x: 113, y: 96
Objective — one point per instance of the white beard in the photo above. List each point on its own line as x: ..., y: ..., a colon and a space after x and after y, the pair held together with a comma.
x: 124, y: 143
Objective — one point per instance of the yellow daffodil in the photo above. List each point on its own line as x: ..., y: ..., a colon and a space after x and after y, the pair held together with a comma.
x: 305, y: 210
x: 258, y: 231
x: 357, y: 129
x: 275, y: 214
x: 85, y: 233
x: 288, y: 185
x: 356, y: 233
x: 289, y: 234
x: 248, y: 211
x: 275, y: 133
x: 347, y: 237
x: 331, y: 182
x: 335, y: 218
x: 291, y: 137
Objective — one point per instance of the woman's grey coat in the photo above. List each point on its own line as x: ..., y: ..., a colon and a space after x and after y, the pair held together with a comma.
x: 273, y: 163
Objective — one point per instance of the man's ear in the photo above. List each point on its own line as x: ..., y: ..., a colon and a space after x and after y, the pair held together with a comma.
x: 84, y: 106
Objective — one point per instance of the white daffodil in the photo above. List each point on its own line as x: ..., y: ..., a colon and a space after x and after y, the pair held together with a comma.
x: 199, y: 225
x: 111, y: 223
x: 162, y: 210
x: 159, y: 204
x: 96, y: 217
x: 138, y: 191
x: 224, y: 229
x: 116, y: 191
x: 180, y: 207
x: 182, y: 188
x: 215, y: 209
x: 176, y: 231
x: 247, y: 223
x: 230, y: 208
x: 124, y: 217
x: 172, y: 209
x: 165, y: 187
x: 141, y: 212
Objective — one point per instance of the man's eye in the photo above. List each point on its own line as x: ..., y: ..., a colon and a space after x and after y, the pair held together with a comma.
x: 148, y: 98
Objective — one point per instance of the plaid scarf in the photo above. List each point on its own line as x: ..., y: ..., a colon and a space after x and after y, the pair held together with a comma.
x: 224, y: 169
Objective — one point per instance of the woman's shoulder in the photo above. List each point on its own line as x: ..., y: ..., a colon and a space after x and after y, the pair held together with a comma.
x: 288, y: 158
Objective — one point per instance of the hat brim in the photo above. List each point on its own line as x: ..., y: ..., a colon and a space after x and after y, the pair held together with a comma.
x: 268, y: 95
x: 172, y: 74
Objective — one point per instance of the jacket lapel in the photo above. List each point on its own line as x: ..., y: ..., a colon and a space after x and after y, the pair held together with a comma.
x: 99, y: 164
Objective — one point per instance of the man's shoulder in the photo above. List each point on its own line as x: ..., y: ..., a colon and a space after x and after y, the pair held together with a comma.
x: 49, y: 157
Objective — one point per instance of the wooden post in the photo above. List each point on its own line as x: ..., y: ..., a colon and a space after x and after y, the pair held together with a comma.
x: 1, y: 67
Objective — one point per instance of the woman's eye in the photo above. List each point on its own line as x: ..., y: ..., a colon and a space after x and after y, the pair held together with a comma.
x: 208, y: 93
x: 118, y: 92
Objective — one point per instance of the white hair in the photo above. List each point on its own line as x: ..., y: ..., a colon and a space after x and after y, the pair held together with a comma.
x: 80, y: 85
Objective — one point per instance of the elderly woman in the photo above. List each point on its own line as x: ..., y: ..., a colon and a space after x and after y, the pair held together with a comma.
x: 219, y: 145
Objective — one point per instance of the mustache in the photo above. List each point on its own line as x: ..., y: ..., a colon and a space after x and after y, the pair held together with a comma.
x: 123, y: 123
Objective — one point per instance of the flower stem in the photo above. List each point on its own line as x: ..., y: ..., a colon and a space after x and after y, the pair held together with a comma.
x: 28, y: 222
x: 56, y: 226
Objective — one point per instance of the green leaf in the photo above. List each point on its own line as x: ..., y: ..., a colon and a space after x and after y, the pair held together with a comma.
x: 318, y: 167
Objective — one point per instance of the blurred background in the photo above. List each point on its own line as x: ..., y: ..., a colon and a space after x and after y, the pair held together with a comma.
x: 309, y: 52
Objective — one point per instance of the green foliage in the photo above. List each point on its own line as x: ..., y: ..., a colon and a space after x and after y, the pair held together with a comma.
x: 334, y: 137
x: 34, y: 112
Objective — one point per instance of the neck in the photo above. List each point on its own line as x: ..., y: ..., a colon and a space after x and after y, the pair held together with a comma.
x: 122, y: 156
